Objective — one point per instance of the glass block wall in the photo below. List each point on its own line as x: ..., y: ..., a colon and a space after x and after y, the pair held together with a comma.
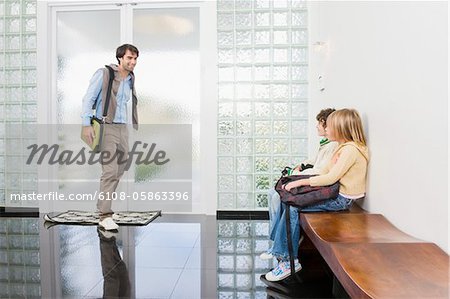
x: 19, y: 259
x: 238, y: 264
x: 262, y: 109
x: 18, y: 94
x: 19, y: 239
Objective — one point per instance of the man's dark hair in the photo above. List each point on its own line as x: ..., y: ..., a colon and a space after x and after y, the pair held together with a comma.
x: 323, y: 115
x: 120, y: 52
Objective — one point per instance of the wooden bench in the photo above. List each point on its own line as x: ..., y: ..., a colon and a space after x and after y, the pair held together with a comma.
x: 371, y: 258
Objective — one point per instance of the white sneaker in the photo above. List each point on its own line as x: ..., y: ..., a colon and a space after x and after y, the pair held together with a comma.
x: 282, y: 271
x: 108, y: 224
x: 266, y: 256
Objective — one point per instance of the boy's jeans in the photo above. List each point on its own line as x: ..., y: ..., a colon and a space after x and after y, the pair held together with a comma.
x: 274, y: 207
x: 278, y: 233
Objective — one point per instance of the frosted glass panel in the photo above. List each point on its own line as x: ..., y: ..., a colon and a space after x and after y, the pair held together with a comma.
x: 168, y: 71
x: 168, y: 75
x: 86, y: 41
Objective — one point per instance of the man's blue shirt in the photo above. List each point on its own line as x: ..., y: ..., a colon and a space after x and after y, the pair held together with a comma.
x: 94, y: 92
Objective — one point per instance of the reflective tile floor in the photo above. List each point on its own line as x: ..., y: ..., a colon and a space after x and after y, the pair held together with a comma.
x: 175, y: 256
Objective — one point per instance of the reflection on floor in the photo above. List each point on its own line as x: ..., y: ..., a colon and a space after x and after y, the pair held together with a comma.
x: 176, y: 256
x: 239, y: 244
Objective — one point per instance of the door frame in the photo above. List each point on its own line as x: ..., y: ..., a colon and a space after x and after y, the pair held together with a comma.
x: 46, y: 83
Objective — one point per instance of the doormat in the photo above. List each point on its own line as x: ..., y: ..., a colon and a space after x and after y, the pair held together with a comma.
x: 92, y: 218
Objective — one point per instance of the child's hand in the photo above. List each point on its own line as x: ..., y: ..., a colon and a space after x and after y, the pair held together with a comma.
x: 288, y: 186
x: 299, y: 183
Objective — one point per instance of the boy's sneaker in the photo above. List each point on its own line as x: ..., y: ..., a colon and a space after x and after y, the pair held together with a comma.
x: 108, y: 224
x: 282, y: 271
x: 266, y: 256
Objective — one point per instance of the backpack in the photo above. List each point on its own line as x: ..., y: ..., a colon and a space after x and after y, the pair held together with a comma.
x: 304, y: 196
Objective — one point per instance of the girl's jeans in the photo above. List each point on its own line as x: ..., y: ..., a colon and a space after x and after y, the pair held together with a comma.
x: 277, y: 226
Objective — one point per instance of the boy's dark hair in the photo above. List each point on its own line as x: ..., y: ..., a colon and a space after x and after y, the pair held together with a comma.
x: 323, y: 115
x: 120, y: 52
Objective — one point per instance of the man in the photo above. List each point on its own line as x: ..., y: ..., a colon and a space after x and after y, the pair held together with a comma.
x: 115, y: 137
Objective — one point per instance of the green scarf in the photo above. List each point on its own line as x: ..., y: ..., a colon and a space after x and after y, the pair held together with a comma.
x: 324, y: 141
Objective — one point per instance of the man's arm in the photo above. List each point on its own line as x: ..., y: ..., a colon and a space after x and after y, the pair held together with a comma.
x: 92, y: 93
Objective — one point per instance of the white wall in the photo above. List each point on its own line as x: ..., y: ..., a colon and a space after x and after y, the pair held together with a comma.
x: 389, y: 60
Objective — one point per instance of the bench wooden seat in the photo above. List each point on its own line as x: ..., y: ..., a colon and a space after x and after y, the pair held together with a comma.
x: 391, y: 270
x: 371, y: 258
x: 352, y: 227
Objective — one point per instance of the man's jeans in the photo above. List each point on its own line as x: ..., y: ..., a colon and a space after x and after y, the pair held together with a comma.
x: 278, y: 232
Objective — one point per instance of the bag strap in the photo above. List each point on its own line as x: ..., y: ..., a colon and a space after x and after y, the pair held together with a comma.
x: 289, y: 238
x: 108, y: 93
x: 289, y: 241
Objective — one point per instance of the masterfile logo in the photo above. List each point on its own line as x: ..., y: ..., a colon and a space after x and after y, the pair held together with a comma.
x: 55, y: 155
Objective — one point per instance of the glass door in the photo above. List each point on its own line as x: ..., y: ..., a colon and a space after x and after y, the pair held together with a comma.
x: 86, y: 40
x: 168, y: 80
x: 169, y: 76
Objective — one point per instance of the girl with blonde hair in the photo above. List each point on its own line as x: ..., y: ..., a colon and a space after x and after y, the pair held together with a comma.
x: 348, y: 166
x: 318, y: 163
